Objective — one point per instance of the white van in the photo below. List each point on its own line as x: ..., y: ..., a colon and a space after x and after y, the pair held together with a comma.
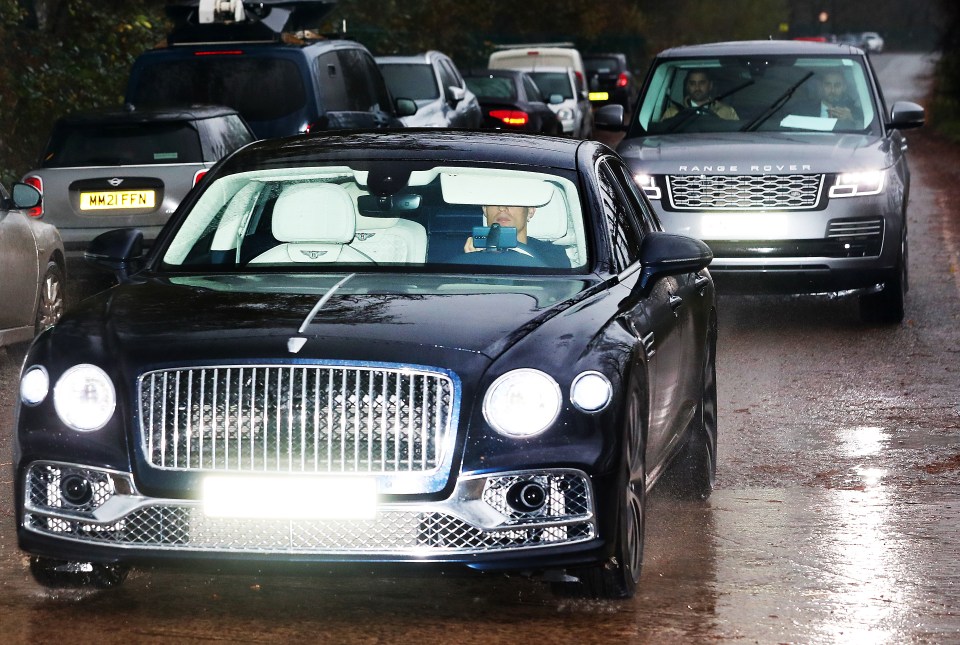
x: 531, y: 57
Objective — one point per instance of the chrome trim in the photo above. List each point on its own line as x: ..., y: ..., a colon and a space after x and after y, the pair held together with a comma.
x: 744, y: 192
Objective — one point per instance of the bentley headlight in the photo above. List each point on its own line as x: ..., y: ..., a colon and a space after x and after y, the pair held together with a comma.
x: 648, y: 184
x: 522, y: 403
x: 34, y: 385
x: 591, y: 391
x: 850, y: 184
x: 84, y: 398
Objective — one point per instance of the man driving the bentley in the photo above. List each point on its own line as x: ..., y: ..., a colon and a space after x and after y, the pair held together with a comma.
x: 517, y: 217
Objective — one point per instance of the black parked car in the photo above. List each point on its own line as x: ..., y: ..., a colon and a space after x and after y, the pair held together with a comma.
x: 511, y: 100
x: 609, y: 80
x: 281, y: 84
x: 295, y: 374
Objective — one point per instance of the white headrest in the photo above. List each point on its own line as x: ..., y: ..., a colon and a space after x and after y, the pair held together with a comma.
x: 314, y: 212
x: 549, y: 222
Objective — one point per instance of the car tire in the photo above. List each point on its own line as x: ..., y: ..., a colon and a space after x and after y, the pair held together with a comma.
x: 50, y: 304
x: 693, y: 473
x: 886, y: 307
x: 62, y: 574
x: 617, y: 577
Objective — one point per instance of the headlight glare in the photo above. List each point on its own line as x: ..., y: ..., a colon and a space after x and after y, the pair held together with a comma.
x: 647, y: 183
x: 84, y: 398
x: 851, y: 184
x: 34, y: 385
x: 591, y: 391
x: 564, y: 114
x: 522, y: 403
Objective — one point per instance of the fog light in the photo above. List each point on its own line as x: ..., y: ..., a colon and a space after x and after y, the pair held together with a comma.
x: 76, y: 490
x: 526, y: 497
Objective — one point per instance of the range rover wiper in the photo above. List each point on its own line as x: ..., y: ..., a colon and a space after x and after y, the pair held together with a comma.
x: 683, y: 117
x: 761, y: 118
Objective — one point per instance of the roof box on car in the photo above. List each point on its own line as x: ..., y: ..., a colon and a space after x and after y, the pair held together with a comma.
x: 212, y: 21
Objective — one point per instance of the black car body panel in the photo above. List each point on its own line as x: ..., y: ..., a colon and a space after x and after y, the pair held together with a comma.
x: 378, y: 373
x: 511, y: 101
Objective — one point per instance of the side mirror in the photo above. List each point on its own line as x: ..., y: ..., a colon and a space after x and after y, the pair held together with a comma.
x: 119, y: 252
x: 609, y: 117
x: 405, y: 107
x: 906, y: 115
x: 25, y: 196
x: 455, y: 94
x: 555, y: 99
x: 663, y: 254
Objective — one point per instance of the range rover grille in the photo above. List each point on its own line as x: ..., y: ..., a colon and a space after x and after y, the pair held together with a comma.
x: 296, y: 418
x: 744, y: 192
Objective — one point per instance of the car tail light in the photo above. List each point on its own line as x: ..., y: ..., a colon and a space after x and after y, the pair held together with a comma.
x: 197, y: 176
x: 511, y: 117
x: 36, y: 182
x: 220, y: 52
x: 622, y: 80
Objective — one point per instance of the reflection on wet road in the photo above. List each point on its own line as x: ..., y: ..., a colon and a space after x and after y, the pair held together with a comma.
x: 836, y: 518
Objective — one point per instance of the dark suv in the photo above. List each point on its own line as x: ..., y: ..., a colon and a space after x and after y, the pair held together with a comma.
x: 609, y: 80
x: 282, y: 85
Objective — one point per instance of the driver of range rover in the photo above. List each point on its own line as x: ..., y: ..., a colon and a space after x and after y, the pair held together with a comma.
x: 517, y: 217
x: 698, y: 90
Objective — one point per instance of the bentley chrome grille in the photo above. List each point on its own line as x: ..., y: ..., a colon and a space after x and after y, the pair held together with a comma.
x: 744, y: 192
x: 296, y: 418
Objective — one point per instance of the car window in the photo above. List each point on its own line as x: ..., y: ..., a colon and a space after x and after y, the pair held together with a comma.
x: 356, y: 78
x: 224, y: 134
x: 260, y: 88
x: 553, y: 83
x: 126, y: 144
x: 493, y: 87
x: 533, y: 92
x: 602, y: 65
x: 411, y: 81
x: 646, y: 217
x: 331, y: 80
x: 624, y: 231
x: 321, y: 218
x: 769, y: 93
x: 448, y: 77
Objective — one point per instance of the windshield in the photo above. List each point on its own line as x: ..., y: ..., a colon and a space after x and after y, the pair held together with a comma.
x: 411, y: 81
x: 494, y: 87
x: 122, y: 145
x: 444, y: 218
x: 553, y: 83
x: 769, y: 93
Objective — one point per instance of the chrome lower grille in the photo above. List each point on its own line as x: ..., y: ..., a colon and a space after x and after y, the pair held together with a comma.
x: 847, y: 229
x: 296, y: 418
x: 744, y: 192
x: 117, y: 516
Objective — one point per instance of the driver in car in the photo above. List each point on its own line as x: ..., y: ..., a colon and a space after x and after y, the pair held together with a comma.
x: 698, y: 91
x: 517, y: 217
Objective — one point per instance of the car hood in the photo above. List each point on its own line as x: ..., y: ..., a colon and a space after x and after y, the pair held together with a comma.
x: 432, y: 320
x: 735, y: 153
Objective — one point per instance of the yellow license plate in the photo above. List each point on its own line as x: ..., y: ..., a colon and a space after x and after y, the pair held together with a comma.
x: 118, y: 200
x: 599, y: 96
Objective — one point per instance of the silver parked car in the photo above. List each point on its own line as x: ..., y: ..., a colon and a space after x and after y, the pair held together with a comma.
x: 433, y: 81
x: 784, y: 157
x: 32, y: 268
x: 129, y: 168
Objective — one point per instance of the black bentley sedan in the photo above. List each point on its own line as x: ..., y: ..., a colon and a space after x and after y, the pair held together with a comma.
x: 401, y: 349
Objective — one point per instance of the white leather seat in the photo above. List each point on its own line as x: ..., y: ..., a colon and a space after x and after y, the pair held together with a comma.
x: 391, y: 239
x: 315, y: 223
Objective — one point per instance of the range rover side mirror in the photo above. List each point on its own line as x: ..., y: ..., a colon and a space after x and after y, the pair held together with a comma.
x: 609, y: 117
x: 906, y: 115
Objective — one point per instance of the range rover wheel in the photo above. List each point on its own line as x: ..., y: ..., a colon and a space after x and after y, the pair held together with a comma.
x: 886, y: 306
x: 62, y: 574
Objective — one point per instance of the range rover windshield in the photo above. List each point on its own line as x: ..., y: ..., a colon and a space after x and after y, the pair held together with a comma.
x: 381, y: 216
x: 769, y: 93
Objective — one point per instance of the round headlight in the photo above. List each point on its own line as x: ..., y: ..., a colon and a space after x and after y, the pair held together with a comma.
x: 522, y: 403
x: 34, y: 385
x: 565, y: 114
x: 84, y: 398
x: 591, y: 391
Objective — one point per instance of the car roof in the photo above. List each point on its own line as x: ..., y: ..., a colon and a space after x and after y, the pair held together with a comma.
x: 414, y: 144
x: 422, y: 57
x: 761, y: 47
x: 120, y: 115
x: 502, y: 71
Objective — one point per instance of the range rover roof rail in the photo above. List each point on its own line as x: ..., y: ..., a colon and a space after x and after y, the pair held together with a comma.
x: 212, y: 21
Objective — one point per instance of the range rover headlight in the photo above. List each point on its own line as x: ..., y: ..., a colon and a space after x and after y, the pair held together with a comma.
x: 648, y: 184
x: 84, y: 398
x: 850, y: 184
x: 522, y: 403
x: 34, y: 385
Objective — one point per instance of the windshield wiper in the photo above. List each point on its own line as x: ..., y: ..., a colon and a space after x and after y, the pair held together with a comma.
x: 761, y: 118
x: 683, y: 117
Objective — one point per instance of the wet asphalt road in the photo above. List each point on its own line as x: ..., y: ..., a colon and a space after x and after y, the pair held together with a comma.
x: 836, y: 517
